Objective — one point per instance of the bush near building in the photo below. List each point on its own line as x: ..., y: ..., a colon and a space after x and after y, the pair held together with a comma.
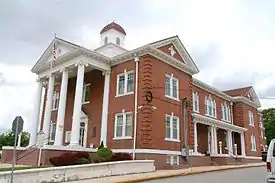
x: 102, y: 155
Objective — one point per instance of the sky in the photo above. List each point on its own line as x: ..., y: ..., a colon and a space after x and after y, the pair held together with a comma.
x: 231, y: 41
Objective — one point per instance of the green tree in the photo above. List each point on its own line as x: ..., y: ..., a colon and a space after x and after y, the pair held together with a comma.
x: 269, y: 123
x: 7, y: 139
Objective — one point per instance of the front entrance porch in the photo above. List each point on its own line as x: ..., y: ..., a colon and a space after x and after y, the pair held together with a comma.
x: 217, y: 139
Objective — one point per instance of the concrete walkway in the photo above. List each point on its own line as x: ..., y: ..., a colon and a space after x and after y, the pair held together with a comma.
x: 165, y: 174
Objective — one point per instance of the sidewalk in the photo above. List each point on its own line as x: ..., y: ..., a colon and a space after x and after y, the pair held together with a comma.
x: 165, y: 174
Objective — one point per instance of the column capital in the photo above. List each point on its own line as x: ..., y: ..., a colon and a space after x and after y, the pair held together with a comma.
x: 63, y: 70
x: 81, y: 63
x: 106, y: 72
x: 45, y: 83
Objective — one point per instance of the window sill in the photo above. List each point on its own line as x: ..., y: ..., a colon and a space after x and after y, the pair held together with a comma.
x: 172, y: 140
x: 122, y: 138
x: 54, y: 109
x: 225, y: 121
x: 198, y: 112
x: 251, y: 125
x: 83, y: 103
x: 254, y: 150
x: 176, y: 99
x: 125, y: 94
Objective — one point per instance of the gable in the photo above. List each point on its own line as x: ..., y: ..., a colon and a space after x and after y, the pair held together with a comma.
x: 171, y: 50
x: 179, y: 51
x: 251, y: 94
x: 62, y: 47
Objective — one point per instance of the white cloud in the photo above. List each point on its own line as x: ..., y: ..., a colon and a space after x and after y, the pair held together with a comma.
x: 227, y: 39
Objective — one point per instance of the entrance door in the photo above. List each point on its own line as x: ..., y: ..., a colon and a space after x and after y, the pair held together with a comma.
x: 82, y: 134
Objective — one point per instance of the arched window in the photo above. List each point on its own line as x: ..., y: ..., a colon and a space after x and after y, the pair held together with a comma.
x: 105, y: 40
x: 118, y: 41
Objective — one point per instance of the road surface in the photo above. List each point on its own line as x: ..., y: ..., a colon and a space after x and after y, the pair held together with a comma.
x: 246, y: 175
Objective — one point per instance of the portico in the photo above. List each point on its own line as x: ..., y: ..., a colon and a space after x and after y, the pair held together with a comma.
x: 69, y: 65
x: 219, y: 137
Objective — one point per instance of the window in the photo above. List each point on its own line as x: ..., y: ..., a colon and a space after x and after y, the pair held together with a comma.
x: 52, y: 131
x: 226, y: 115
x: 86, y: 93
x: 125, y: 83
x: 195, y: 102
x: 172, y: 127
x: 172, y: 160
x: 55, y: 101
x: 210, y: 107
x: 253, y: 143
x: 171, y: 87
x: 105, y: 40
x: 261, y: 121
x: 251, y: 118
x: 262, y: 134
x: 123, y: 125
x: 117, y: 41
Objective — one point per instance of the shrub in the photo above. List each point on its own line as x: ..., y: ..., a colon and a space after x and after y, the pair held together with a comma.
x: 104, y: 154
x: 121, y: 157
x: 82, y: 161
x: 101, y: 145
x: 68, y: 158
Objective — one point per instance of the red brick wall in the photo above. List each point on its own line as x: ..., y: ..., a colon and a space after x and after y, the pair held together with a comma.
x: 241, y: 118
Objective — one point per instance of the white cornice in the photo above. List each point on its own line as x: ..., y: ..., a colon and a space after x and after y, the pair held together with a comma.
x: 220, y: 124
x: 223, y: 95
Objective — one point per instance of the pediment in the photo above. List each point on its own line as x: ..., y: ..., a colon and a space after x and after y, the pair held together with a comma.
x: 110, y: 50
x: 62, y: 47
x: 173, y: 47
x: 252, y: 95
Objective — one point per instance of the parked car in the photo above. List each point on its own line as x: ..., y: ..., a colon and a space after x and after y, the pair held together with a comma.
x: 270, y: 162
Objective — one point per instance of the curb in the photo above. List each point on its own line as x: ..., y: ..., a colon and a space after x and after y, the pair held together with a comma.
x: 184, y: 173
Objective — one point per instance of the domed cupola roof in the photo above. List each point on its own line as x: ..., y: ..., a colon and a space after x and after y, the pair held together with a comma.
x: 114, y: 26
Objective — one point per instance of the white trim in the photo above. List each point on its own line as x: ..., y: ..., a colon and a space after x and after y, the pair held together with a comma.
x: 85, y: 85
x: 171, y: 93
x: 123, y: 125
x: 223, y: 95
x: 251, y: 118
x: 68, y: 136
x: 125, y: 74
x: 149, y: 151
x: 214, y: 122
x: 196, y: 101
x: 172, y: 117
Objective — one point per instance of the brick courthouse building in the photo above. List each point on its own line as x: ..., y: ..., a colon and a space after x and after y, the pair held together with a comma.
x: 104, y: 95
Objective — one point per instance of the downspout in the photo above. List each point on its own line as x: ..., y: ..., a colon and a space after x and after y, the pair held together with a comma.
x: 136, y: 108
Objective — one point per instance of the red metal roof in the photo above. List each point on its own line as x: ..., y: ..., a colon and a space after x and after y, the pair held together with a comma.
x: 115, y: 26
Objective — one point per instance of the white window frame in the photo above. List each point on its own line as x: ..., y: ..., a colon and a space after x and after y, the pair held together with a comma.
x: 172, y: 160
x: 171, y: 117
x: 251, y: 118
x: 123, y: 125
x: 125, y: 74
x: 170, y: 95
x: 85, y: 86
x: 196, y: 102
x: 67, y: 136
x: 226, y: 112
x: 253, y: 143
x: 55, y: 101
x: 51, y: 130
x: 210, y: 107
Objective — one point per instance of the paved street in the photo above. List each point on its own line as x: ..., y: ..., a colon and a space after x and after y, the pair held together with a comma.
x: 246, y: 175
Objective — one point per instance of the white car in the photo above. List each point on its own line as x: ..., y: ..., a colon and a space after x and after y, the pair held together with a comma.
x: 270, y: 162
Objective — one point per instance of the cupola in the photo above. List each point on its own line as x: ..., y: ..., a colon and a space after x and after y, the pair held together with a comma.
x: 112, y: 33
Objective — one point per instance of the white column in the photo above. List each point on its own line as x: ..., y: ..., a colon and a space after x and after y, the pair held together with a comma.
x: 230, y: 143
x: 48, y: 109
x: 19, y: 140
x: 61, y: 109
x: 195, y: 138
x: 242, y: 144
x: 104, y: 118
x: 36, y: 114
x: 212, y: 140
x: 220, y: 147
x: 77, y: 105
